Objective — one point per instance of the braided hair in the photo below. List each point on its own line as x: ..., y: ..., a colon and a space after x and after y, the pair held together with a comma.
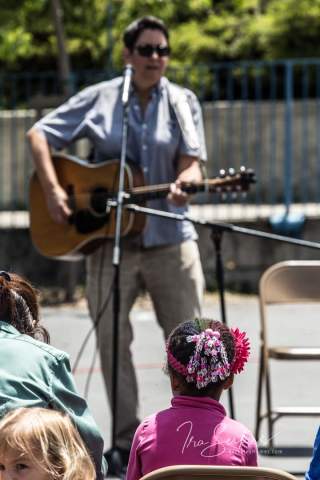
x: 19, y: 306
x: 182, y: 349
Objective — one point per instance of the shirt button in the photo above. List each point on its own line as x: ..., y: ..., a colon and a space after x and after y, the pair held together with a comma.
x: 144, y: 126
x: 145, y: 169
x: 144, y: 147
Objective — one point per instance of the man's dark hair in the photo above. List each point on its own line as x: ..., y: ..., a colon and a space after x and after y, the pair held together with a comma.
x: 135, y: 28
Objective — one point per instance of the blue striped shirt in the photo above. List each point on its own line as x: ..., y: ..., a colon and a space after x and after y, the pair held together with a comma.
x: 155, y: 142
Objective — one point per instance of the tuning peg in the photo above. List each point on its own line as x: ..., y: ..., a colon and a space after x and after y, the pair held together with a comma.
x: 249, y: 174
x: 234, y: 195
x: 231, y: 172
x: 223, y: 196
x: 252, y: 175
x: 222, y: 173
x: 243, y: 169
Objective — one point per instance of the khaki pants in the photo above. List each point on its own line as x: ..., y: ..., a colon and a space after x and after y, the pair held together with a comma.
x: 173, y: 277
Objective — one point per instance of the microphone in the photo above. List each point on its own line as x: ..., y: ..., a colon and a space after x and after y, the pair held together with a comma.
x: 127, y: 78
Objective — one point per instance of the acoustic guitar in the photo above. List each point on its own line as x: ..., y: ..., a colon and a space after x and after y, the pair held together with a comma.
x: 89, y: 187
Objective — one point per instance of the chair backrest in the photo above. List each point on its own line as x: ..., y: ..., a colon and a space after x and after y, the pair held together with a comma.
x: 198, y: 472
x: 288, y: 282
x: 293, y: 281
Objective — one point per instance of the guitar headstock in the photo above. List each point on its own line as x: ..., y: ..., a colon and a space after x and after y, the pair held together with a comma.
x: 232, y: 181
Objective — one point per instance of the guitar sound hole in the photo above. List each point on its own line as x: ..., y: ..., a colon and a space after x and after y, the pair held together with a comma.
x: 98, y: 201
x: 85, y: 222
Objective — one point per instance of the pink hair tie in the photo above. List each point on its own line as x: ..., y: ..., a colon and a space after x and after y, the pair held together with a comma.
x: 242, y: 350
x: 175, y: 364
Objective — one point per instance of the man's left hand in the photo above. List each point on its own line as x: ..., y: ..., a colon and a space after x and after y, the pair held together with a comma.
x: 177, y: 195
x: 188, y: 171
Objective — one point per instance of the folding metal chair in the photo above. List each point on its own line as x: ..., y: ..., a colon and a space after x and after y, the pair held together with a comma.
x: 289, y: 282
x: 199, y: 472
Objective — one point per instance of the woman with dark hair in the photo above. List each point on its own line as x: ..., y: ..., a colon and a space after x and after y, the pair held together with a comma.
x: 202, y: 358
x: 33, y: 373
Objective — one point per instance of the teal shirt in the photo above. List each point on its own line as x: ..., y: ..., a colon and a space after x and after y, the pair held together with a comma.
x: 34, y: 374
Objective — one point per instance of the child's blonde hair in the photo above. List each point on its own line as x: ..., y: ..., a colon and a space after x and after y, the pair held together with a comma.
x: 50, y: 440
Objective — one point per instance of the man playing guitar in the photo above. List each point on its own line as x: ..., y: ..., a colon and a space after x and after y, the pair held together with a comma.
x: 166, y: 140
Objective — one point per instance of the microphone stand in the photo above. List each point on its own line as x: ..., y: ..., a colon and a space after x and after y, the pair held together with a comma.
x: 217, y: 230
x: 216, y: 236
x: 116, y: 261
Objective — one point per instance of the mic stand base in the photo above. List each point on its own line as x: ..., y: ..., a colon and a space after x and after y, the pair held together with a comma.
x: 116, y: 464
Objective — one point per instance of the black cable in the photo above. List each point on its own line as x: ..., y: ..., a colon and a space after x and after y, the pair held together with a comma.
x: 92, y: 329
x: 96, y: 327
x: 98, y: 317
x: 90, y: 372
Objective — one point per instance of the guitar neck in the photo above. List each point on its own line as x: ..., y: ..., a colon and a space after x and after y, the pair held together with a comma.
x: 144, y: 193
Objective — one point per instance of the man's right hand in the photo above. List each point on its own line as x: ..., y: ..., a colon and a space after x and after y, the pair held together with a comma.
x: 57, y: 202
x: 56, y: 196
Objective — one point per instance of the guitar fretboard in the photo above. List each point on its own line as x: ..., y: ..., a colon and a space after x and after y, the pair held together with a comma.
x: 143, y: 193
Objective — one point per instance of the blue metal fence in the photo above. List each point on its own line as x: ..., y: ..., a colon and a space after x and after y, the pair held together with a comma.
x: 265, y: 115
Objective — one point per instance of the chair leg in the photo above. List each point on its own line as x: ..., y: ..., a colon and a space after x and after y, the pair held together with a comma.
x: 269, y: 407
x: 259, y: 394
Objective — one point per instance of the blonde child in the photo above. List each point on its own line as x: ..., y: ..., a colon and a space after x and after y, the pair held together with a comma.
x: 202, y: 358
x: 42, y: 444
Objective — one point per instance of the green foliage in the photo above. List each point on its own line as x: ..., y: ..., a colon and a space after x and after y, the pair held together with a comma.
x: 294, y: 29
x: 23, y: 25
x: 202, y: 31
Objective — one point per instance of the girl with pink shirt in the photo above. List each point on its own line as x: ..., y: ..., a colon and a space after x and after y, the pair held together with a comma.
x: 202, y: 357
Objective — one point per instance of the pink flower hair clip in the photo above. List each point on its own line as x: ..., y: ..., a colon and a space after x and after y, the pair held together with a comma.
x: 242, y: 350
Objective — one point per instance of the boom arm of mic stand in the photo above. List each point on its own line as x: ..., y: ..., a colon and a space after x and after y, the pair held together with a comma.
x: 217, y: 230
x: 223, y: 227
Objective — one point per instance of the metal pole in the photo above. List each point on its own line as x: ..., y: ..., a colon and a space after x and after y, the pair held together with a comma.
x: 288, y: 137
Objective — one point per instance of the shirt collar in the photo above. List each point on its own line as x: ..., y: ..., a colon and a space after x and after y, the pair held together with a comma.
x: 159, y: 87
x: 7, y: 327
x: 198, y: 402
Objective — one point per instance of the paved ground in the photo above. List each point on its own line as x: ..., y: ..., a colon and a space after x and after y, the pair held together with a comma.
x: 293, y: 383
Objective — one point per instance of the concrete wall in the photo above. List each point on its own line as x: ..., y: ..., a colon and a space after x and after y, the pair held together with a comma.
x: 237, y: 133
x: 244, y: 257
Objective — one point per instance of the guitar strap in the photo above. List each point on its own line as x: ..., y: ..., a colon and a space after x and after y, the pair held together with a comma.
x: 179, y: 102
x: 181, y: 107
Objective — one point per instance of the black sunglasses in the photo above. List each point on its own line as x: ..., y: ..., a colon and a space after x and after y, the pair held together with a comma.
x: 148, y: 50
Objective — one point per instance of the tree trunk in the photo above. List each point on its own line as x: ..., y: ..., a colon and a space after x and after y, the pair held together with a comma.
x: 63, y: 58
